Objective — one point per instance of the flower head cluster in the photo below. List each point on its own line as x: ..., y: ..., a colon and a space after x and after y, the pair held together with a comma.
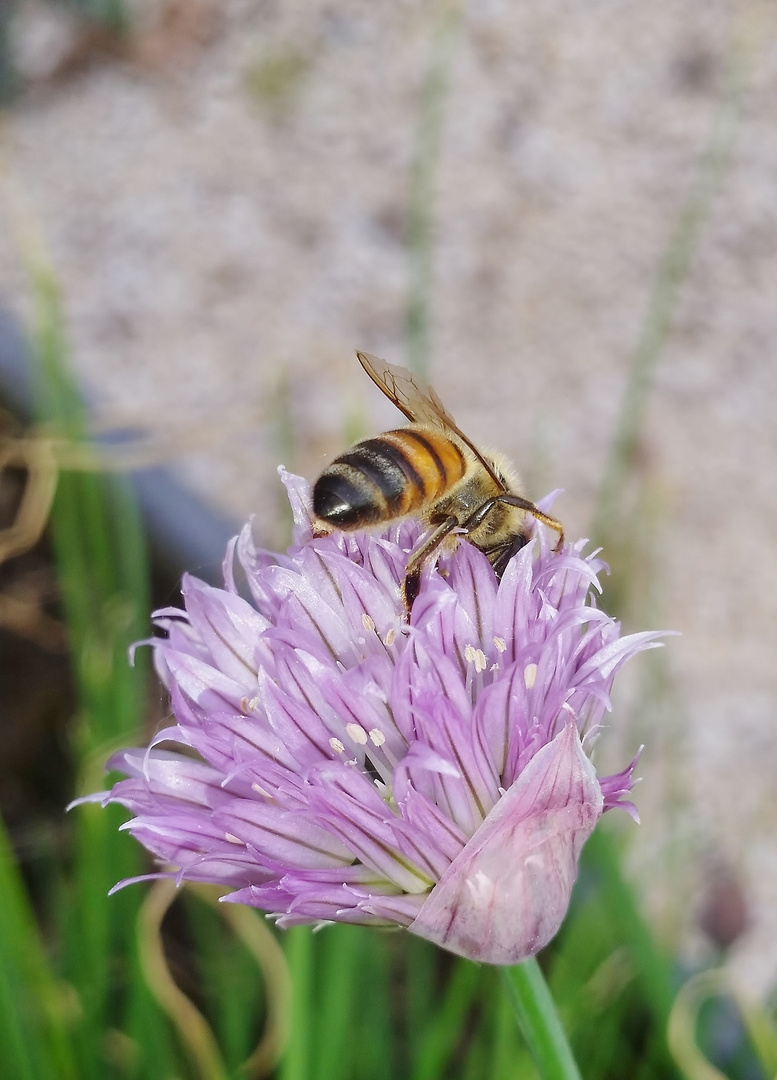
x: 343, y: 762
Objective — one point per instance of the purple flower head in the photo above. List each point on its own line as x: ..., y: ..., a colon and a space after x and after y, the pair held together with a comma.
x: 341, y: 763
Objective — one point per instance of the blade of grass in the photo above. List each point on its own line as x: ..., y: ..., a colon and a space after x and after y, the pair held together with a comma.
x: 652, y: 968
x: 99, y: 546
x: 592, y: 979
x: 19, y: 1052
x: 682, y: 1026
x: 34, y: 1038
x: 345, y: 952
x: 100, y: 554
x: 419, y: 972
x: 82, y: 551
x: 508, y: 1058
x: 761, y: 1030
x: 376, y: 1053
x: 476, y: 1057
x: 442, y: 1034
x: 225, y: 962
x: 706, y: 1001
x: 354, y: 980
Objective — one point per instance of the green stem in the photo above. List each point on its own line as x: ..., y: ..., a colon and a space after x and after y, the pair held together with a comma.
x: 539, y: 1021
x: 296, y: 1064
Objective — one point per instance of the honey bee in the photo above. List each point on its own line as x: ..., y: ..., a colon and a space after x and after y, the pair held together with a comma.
x: 430, y: 469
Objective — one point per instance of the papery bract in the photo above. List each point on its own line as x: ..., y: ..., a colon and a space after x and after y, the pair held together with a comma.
x: 504, y: 895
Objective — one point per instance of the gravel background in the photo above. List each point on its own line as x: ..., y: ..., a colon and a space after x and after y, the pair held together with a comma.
x: 224, y: 198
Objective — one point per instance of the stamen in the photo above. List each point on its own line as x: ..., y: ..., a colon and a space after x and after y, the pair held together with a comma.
x: 389, y: 639
x: 476, y: 657
x: 530, y: 675
x: 377, y: 738
x: 337, y: 746
x: 357, y: 733
x: 501, y: 644
x: 232, y: 838
x: 368, y: 623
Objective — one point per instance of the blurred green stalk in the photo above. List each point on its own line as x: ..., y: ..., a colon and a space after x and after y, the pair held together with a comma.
x: 601, y: 856
x: 8, y: 81
x: 34, y: 1032
x: 423, y: 189
x: 112, y: 14
x: 100, y: 553
x: 672, y: 273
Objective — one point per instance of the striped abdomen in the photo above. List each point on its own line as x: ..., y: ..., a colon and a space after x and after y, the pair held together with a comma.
x: 400, y: 472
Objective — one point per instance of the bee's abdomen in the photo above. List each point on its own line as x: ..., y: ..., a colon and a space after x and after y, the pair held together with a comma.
x: 398, y: 473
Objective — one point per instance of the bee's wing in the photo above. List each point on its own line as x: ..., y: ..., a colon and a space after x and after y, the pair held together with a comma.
x: 416, y: 400
x: 411, y: 396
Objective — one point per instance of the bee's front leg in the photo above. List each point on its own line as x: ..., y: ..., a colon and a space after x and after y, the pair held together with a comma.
x: 411, y: 583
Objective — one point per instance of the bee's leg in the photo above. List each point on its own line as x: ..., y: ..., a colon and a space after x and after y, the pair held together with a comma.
x: 500, y: 557
x: 412, y: 580
x: 483, y: 511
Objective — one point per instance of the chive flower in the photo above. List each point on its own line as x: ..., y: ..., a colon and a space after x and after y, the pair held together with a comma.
x: 340, y: 762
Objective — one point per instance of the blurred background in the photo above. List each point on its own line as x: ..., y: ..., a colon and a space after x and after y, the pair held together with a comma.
x: 563, y: 214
